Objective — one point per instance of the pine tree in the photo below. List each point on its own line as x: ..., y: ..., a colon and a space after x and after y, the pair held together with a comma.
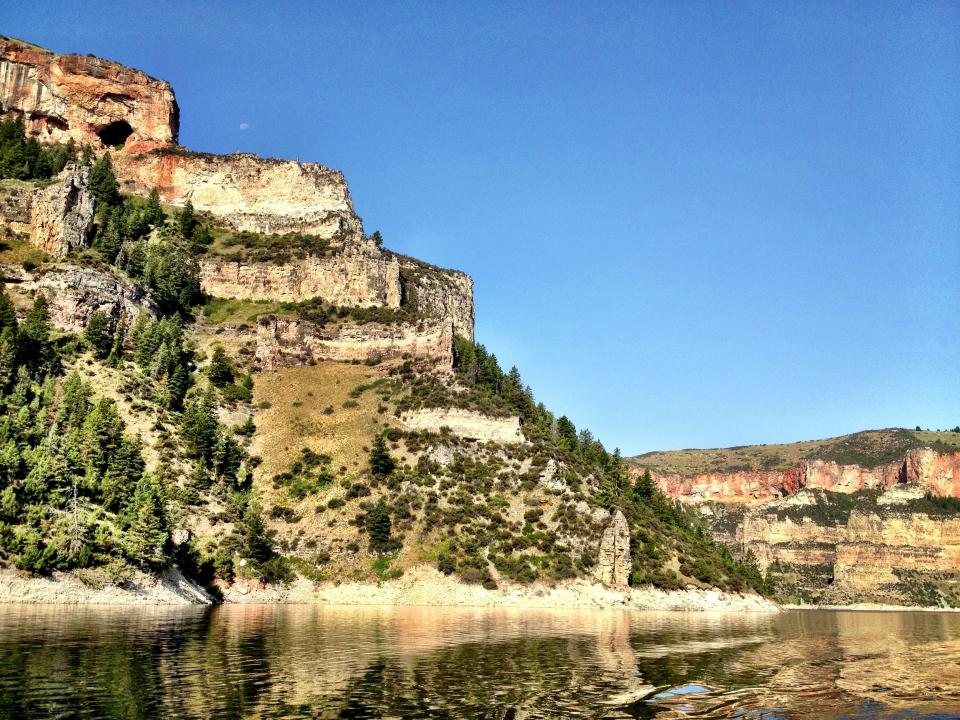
x: 36, y: 351
x: 257, y: 540
x: 379, y: 527
x: 154, y: 211
x: 644, y: 488
x: 99, y: 334
x: 121, y: 478
x: 8, y: 315
x: 147, y: 536
x: 103, y: 182
x: 220, y: 371
x: 381, y: 464
x: 187, y: 221
x: 199, y: 427
x: 102, y: 434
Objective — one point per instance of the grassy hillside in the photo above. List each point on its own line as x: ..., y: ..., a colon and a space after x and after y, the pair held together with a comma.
x: 868, y: 449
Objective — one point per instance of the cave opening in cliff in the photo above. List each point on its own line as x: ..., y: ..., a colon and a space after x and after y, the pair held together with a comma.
x: 116, y: 133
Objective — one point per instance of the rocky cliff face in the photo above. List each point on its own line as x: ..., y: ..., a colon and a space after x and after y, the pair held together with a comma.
x: 288, y: 342
x: 61, y: 214
x: 348, y: 279
x: 74, y: 293
x: 613, y: 560
x: 439, y: 293
x: 91, y: 100
x: 465, y: 424
x: 840, y: 533
x: 246, y: 192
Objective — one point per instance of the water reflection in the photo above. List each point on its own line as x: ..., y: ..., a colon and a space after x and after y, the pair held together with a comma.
x: 325, y: 662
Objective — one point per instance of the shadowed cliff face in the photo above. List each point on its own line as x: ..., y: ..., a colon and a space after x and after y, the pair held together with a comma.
x: 837, y: 533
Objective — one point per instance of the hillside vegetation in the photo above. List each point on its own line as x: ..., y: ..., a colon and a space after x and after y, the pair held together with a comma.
x: 868, y: 449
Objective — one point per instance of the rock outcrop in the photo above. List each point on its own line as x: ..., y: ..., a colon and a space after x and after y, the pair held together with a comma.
x: 466, y: 424
x: 74, y: 293
x: 613, y: 560
x: 347, y: 279
x: 93, y: 101
x: 288, y: 342
x: 439, y: 293
x: 876, y: 546
x: 61, y: 214
x: 246, y: 192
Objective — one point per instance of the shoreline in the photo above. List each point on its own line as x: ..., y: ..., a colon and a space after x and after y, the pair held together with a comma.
x: 421, y: 586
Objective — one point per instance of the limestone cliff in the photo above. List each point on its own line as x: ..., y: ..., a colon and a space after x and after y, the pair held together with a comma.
x: 465, y: 424
x: 288, y: 342
x: 61, y: 214
x: 838, y: 533
x: 348, y: 279
x: 74, y: 293
x: 93, y: 101
x: 246, y: 192
x: 613, y: 560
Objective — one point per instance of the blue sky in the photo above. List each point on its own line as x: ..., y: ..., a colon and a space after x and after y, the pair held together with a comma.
x: 690, y: 224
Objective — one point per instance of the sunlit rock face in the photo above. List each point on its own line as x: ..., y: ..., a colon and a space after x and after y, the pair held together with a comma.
x: 613, y: 560
x: 466, y: 424
x: 94, y: 101
x: 880, y: 544
x: 61, y: 214
x: 249, y: 193
x: 288, y: 342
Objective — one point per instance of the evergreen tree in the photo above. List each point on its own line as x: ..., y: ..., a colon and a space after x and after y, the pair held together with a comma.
x: 146, y: 538
x: 379, y: 527
x: 566, y: 434
x: 99, y: 334
x: 36, y: 351
x: 122, y: 475
x: 102, y: 434
x: 381, y: 464
x: 103, y: 182
x: 199, y: 427
x: 257, y: 540
x: 8, y: 315
x: 153, y: 212
x: 220, y: 371
x: 645, y: 488
x: 187, y: 221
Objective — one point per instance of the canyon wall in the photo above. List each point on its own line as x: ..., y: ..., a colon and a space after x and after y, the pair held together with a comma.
x: 90, y: 100
x: 287, y: 342
x: 883, y: 543
x: 436, y: 292
x: 347, y: 279
x: 246, y: 192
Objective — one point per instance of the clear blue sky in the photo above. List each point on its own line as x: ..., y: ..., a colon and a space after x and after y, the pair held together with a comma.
x: 690, y: 224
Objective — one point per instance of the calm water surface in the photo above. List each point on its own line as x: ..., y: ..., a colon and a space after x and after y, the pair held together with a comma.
x: 324, y: 662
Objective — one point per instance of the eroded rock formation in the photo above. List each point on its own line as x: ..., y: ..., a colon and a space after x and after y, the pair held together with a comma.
x: 876, y: 546
x: 348, y: 279
x: 288, y: 342
x: 83, y: 97
x: 246, y: 192
x: 61, y: 214
x: 74, y: 293
x: 466, y: 424
x: 613, y: 560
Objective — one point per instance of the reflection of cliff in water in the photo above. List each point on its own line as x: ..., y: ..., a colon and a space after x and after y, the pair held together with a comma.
x: 314, y: 661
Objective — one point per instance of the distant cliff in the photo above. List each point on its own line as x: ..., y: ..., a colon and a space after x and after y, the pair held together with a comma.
x: 834, y: 532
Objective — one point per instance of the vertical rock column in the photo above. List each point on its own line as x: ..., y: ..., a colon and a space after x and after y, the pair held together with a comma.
x: 614, y: 563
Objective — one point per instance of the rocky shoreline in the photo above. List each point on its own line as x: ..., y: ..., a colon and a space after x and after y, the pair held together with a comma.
x: 422, y: 586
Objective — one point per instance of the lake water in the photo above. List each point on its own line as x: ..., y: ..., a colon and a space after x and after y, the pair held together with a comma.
x: 326, y: 662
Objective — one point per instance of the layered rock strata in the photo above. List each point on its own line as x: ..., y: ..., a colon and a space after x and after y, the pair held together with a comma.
x: 876, y: 546
x: 246, y: 192
x: 288, y: 342
x: 90, y: 100
x: 466, y: 424
x: 348, y: 279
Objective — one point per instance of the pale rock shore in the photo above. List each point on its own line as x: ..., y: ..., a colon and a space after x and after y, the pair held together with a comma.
x: 426, y: 586
x: 421, y: 586
x: 171, y: 588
